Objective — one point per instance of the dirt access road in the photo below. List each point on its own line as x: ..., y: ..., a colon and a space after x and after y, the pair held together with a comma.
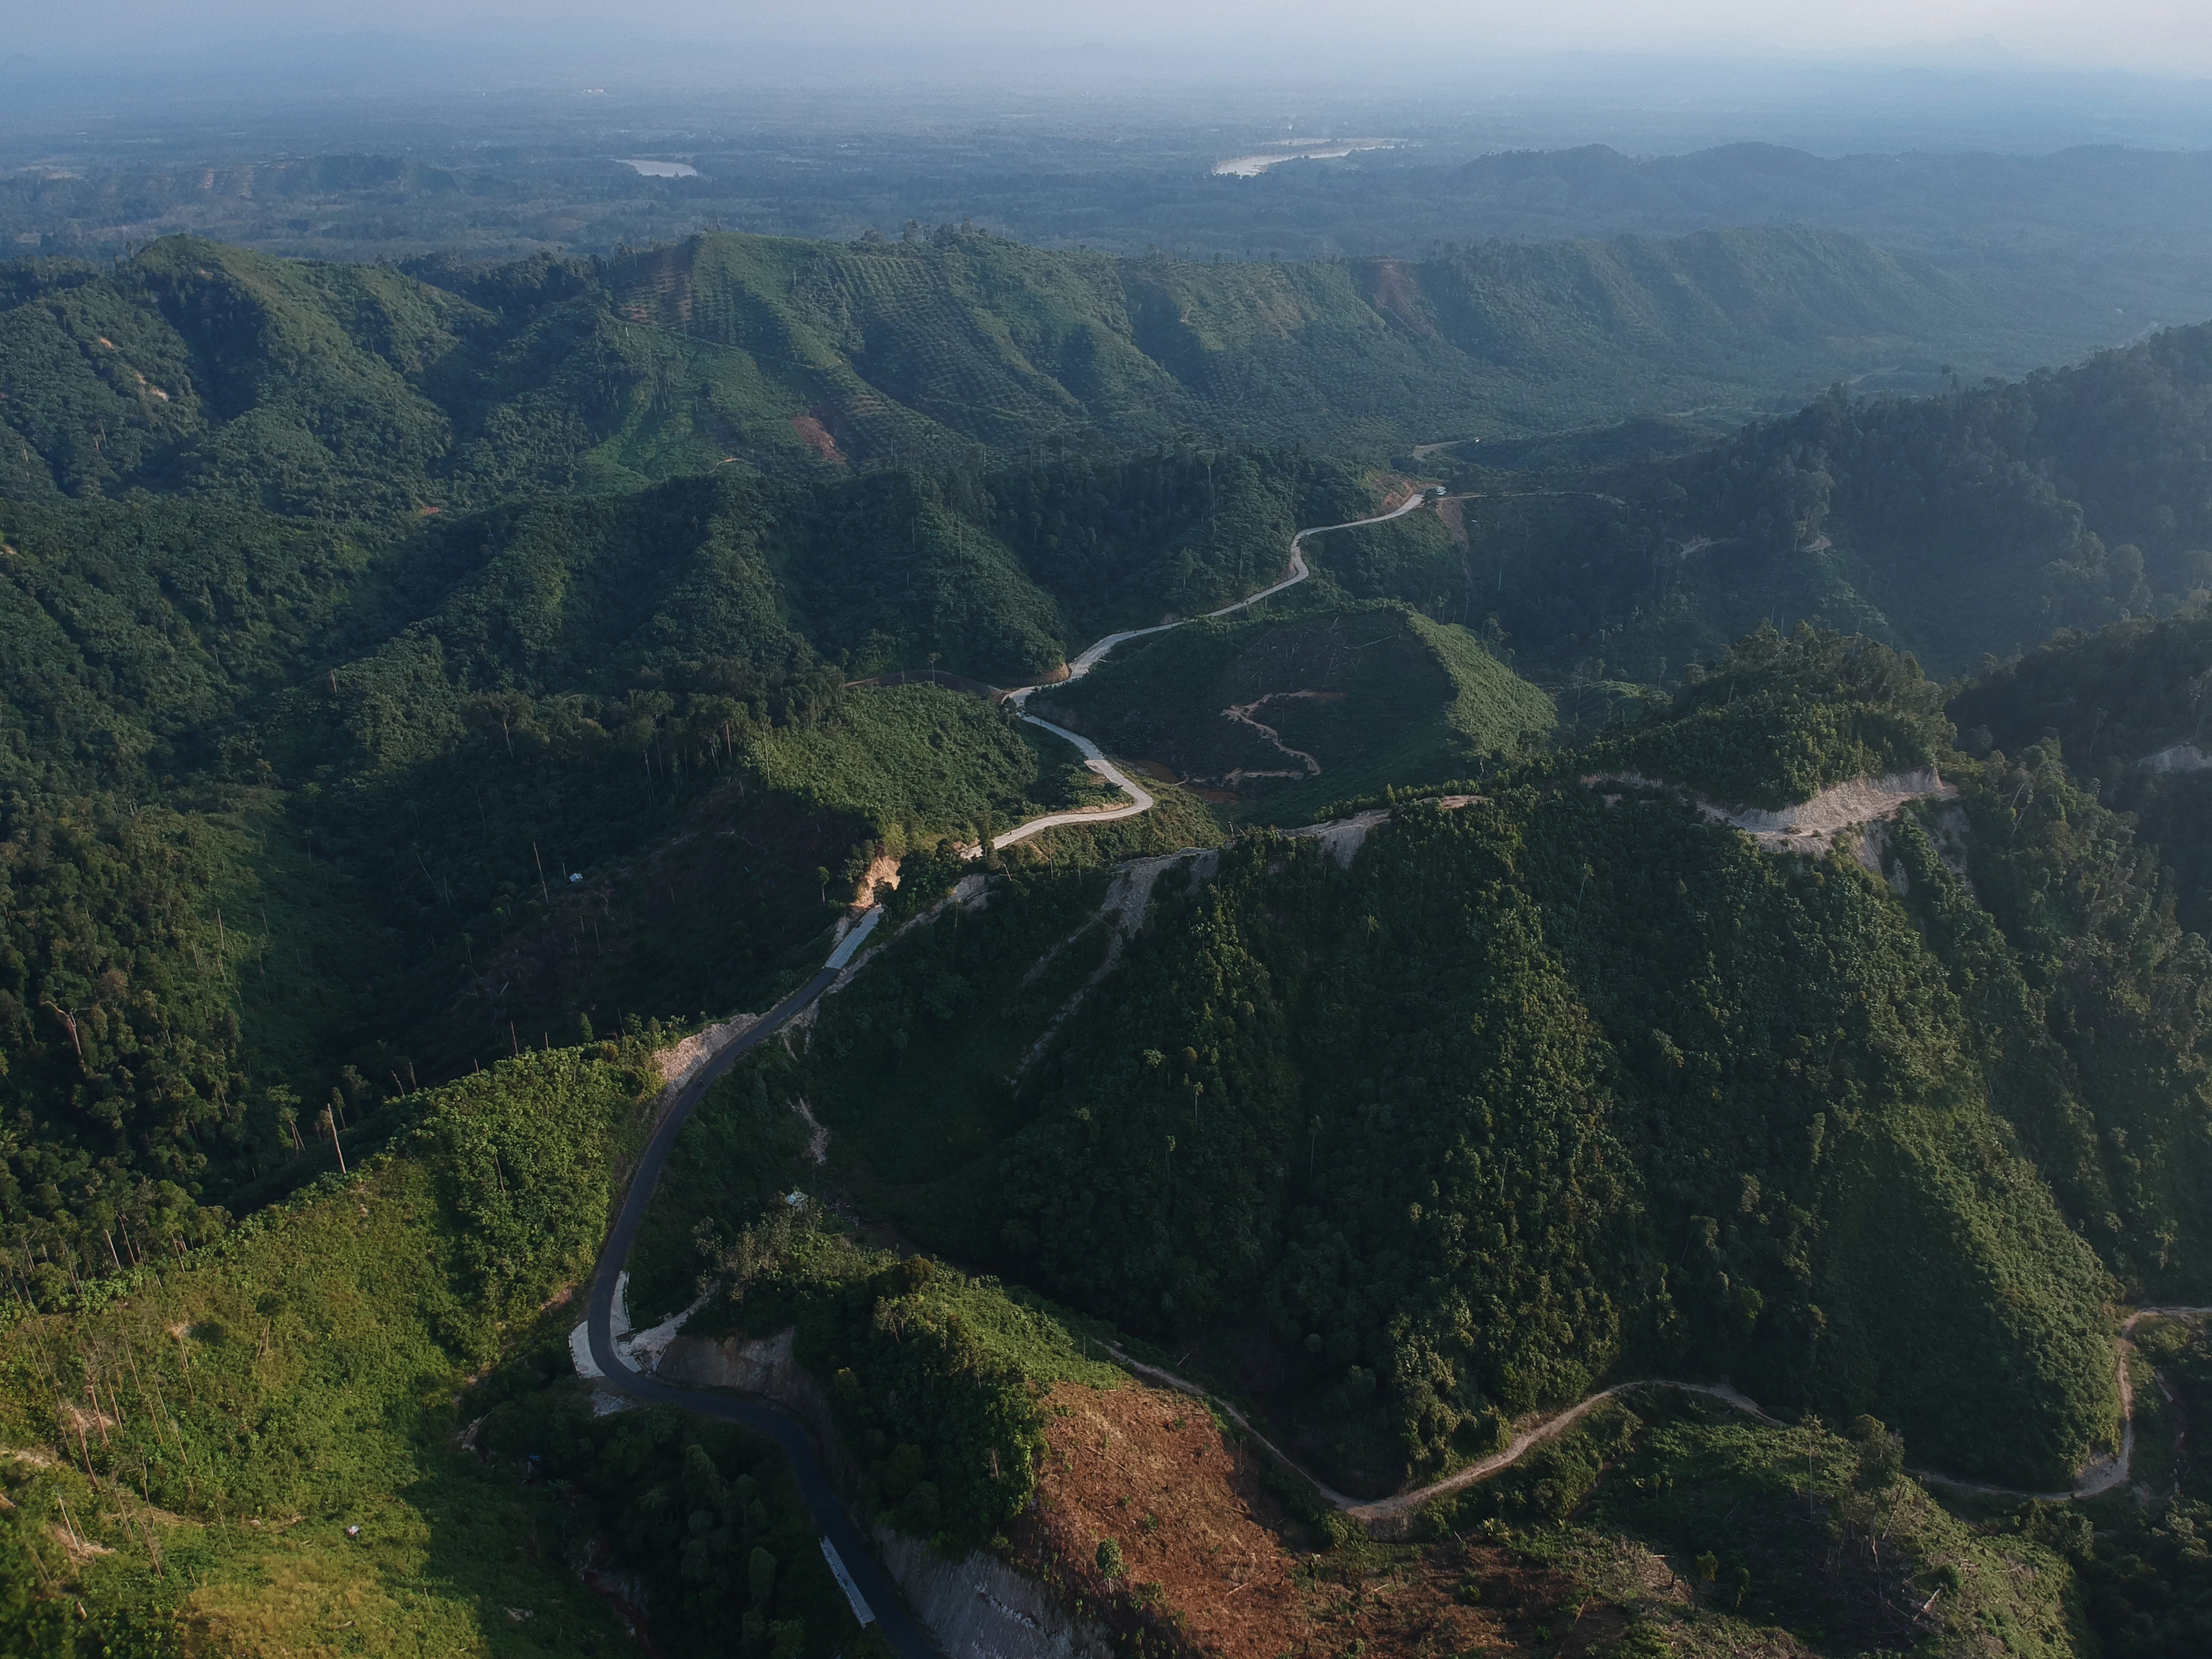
x: 2106, y: 1474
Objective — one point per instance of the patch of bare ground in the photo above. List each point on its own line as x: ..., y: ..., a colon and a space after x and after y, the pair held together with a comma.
x: 677, y: 1063
x: 816, y: 437
x: 1811, y: 826
x: 1452, y: 510
x: 1207, y: 1569
x: 880, y: 878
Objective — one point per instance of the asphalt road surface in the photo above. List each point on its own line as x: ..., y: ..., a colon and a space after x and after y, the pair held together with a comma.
x: 876, y: 1593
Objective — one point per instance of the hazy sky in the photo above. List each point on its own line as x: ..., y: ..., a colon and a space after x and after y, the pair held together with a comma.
x: 2148, y: 34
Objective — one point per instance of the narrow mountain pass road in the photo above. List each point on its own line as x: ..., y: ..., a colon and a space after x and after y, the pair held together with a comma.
x: 1370, y: 1511
x: 1141, y: 799
x: 2107, y: 1473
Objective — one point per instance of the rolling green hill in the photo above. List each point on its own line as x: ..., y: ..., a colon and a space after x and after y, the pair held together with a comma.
x: 1569, y: 1084
x: 1356, y: 699
x: 290, y: 808
x: 422, y: 687
x: 363, y: 391
x: 386, y: 1353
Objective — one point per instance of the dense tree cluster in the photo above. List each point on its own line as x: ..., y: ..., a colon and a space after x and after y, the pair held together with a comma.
x: 1778, y: 719
x: 1567, y: 1088
x: 291, y: 808
x: 2129, y: 707
x: 1951, y: 527
x: 1547, y: 1088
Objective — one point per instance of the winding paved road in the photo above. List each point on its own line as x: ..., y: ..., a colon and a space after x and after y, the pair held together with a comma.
x: 845, y: 1547
x: 868, y: 1588
x: 1140, y: 798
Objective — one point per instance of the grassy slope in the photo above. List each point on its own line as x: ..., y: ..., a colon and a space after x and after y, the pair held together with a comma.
x: 1800, y: 1530
x: 311, y: 1372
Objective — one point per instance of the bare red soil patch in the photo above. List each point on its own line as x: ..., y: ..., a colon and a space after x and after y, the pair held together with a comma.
x: 816, y: 438
x: 1395, y: 487
x: 1206, y: 1569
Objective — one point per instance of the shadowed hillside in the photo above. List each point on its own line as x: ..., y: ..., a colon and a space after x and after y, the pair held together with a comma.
x: 1955, y: 526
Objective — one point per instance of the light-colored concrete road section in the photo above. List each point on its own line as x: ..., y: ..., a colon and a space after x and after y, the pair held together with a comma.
x: 2107, y: 1473
x: 1140, y: 799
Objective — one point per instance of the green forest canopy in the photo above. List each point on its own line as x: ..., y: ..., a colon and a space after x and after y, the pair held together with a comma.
x: 405, y: 673
x: 348, y: 391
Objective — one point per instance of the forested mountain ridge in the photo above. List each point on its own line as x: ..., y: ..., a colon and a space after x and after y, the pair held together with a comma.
x: 2075, y: 249
x: 1605, y: 1088
x: 1348, y: 351
x: 2130, y: 707
x: 2114, y: 698
x: 335, y: 827
x: 287, y: 807
x: 1570, y: 1083
x: 361, y: 390
x: 1954, y: 527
